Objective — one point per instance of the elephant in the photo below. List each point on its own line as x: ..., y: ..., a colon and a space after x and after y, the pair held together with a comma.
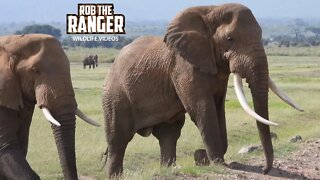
x: 154, y: 81
x: 91, y: 60
x: 96, y: 59
x: 35, y: 71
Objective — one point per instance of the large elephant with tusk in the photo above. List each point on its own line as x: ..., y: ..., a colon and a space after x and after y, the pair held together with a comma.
x: 155, y: 81
x: 34, y: 70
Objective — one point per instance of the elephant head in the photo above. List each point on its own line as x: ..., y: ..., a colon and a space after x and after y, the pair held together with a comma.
x: 34, y: 70
x: 228, y: 39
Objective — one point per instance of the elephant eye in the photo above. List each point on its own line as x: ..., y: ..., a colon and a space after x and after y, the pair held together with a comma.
x: 229, y: 38
x: 35, y: 70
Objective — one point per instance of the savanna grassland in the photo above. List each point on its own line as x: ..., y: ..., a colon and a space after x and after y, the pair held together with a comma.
x: 297, y: 74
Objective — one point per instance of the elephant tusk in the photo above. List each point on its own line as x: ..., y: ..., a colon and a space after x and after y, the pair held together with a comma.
x: 240, y: 95
x: 49, y: 117
x: 86, y: 118
x: 282, y: 95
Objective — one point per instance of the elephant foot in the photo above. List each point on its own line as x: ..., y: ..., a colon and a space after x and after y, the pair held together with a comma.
x: 269, y: 164
x: 267, y: 169
x: 168, y: 162
x: 201, y: 158
x: 219, y: 160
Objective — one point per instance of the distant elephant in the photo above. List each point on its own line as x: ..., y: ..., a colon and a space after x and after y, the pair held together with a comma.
x: 95, y: 57
x: 155, y: 81
x: 91, y: 60
x: 35, y: 70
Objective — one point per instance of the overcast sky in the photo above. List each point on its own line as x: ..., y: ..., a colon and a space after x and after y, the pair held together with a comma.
x: 148, y: 10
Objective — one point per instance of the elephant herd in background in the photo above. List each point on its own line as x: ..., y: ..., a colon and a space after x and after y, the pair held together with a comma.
x: 151, y: 85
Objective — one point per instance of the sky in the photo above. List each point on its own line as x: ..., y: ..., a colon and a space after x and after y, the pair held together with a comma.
x: 44, y: 11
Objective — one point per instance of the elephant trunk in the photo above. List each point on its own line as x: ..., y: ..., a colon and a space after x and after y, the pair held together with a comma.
x: 57, y: 96
x: 255, y: 70
x: 65, y: 140
x: 257, y: 77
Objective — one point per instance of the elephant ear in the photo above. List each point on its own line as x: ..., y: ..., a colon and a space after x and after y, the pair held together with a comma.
x: 189, y: 36
x: 10, y: 93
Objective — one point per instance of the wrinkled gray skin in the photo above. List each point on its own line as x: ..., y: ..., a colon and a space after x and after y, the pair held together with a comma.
x: 155, y: 81
x: 34, y: 70
x: 91, y: 60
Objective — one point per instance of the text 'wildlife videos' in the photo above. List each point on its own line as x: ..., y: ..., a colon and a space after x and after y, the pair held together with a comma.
x: 96, y: 38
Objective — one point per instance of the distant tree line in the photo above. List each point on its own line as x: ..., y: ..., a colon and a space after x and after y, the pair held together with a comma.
x: 289, y: 41
x: 301, y: 34
x: 43, y: 29
x: 309, y: 37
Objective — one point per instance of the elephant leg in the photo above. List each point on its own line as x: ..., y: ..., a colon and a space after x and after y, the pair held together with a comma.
x: 222, y: 122
x: 209, y: 127
x: 168, y: 135
x: 23, y: 131
x: 2, y: 177
x: 116, y: 153
x: 119, y: 133
x: 23, y: 137
x: 198, y: 100
x: 13, y: 164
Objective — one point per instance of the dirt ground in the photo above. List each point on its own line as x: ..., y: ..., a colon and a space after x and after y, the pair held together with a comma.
x: 303, y: 164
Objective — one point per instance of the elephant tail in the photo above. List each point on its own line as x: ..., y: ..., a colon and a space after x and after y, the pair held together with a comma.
x: 103, y: 159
